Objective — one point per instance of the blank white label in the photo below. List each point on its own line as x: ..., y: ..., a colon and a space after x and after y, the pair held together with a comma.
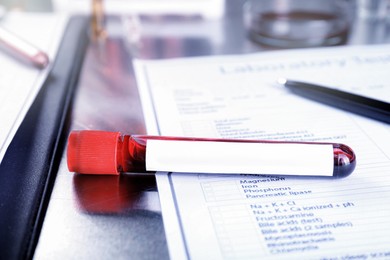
x: 238, y: 157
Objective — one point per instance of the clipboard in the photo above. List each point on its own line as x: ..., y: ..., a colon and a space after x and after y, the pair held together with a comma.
x: 29, y: 167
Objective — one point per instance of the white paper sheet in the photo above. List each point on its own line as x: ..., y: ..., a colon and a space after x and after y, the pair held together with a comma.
x: 264, y: 217
x: 19, y: 82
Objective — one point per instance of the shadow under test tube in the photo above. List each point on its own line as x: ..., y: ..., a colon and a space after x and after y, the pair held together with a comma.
x: 99, y: 152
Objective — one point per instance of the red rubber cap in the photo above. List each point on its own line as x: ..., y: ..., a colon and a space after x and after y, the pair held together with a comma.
x: 93, y: 152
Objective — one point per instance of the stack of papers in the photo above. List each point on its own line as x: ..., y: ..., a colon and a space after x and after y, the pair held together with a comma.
x: 273, y: 217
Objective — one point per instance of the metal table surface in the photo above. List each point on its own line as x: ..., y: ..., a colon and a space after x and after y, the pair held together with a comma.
x: 111, y: 217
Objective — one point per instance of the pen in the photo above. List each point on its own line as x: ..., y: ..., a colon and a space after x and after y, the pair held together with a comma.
x: 364, y: 106
x: 101, y: 152
x: 22, y: 49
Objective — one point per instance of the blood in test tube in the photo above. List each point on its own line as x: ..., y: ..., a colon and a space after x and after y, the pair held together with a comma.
x: 101, y: 152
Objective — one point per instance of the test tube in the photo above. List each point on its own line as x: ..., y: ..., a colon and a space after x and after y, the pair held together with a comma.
x: 101, y: 152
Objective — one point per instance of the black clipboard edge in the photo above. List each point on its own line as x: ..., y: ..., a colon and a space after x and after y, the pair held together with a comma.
x: 29, y: 167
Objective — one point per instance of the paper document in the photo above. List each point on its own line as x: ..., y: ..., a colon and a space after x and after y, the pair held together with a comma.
x: 269, y: 217
x: 19, y: 82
